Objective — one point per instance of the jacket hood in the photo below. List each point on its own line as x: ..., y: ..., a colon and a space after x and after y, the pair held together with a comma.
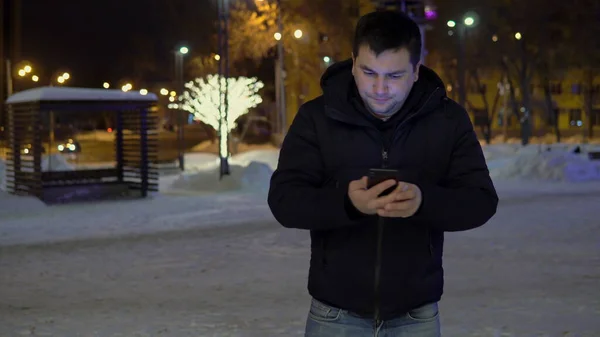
x: 339, y: 87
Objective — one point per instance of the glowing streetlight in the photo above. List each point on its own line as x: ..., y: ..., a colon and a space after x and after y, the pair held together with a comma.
x: 298, y: 33
x: 277, y: 36
x: 451, y: 24
x: 60, y: 79
x: 518, y: 36
x: 66, y: 76
x: 171, y: 99
x: 326, y: 59
x: 127, y: 87
x: 469, y: 21
x: 217, y: 57
x: 184, y: 50
x: 22, y: 72
x: 35, y: 78
x: 143, y: 92
x: 27, y: 69
x: 106, y: 85
x: 173, y: 94
x: 495, y: 38
x: 164, y: 92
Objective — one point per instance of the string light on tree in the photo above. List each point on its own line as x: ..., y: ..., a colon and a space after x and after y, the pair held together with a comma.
x: 202, y: 96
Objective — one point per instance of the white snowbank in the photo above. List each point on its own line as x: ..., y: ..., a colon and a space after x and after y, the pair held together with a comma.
x: 556, y: 162
x: 253, y: 178
x: 55, y: 162
x: 250, y: 172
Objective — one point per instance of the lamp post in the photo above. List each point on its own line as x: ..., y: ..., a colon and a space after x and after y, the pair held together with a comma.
x: 468, y: 21
x: 223, y: 40
x: 179, y: 54
x: 280, y: 75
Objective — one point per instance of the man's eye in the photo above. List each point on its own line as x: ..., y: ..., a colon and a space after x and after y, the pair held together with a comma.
x: 368, y: 73
x: 395, y: 77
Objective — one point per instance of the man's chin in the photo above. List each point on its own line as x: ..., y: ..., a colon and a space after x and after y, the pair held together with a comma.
x: 381, y: 112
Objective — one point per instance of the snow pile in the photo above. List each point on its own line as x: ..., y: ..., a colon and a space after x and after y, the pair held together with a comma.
x: 266, y: 156
x: 557, y: 162
x: 253, y: 178
x: 250, y: 172
x: 200, y: 161
x: 55, y: 162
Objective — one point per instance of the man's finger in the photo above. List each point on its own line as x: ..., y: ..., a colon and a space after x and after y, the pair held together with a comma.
x: 381, y: 201
x: 360, y: 184
x: 398, y: 206
x: 391, y: 214
x: 405, y: 195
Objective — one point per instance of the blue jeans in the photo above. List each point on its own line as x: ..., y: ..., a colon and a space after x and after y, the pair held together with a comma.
x: 327, y: 321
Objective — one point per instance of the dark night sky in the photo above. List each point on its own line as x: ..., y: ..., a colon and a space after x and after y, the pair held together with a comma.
x: 109, y: 40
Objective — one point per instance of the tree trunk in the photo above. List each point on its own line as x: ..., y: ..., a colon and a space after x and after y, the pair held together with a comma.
x: 588, y: 101
x: 486, y: 129
x: 551, y: 114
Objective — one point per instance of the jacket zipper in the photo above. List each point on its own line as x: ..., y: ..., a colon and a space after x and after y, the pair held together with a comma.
x: 379, y: 252
x: 380, y: 220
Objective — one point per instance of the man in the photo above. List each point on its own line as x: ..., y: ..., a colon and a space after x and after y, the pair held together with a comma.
x: 376, y: 264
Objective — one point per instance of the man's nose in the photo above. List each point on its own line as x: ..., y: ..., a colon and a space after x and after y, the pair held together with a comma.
x: 380, y: 86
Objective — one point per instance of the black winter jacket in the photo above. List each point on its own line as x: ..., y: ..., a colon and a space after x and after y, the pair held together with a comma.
x: 379, y: 267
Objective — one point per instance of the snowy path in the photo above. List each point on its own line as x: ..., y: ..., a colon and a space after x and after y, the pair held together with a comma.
x: 534, y: 270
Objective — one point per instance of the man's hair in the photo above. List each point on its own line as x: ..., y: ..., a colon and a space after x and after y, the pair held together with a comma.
x: 388, y: 30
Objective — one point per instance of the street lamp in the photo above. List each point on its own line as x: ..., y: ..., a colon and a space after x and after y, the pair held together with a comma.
x: 164, y: 92
x: 298, y: 33
x: 179, y: 54
x: 469, y: 20
x: 106, y: 85
x: 518, y: 36
x: 27, y: 69
x: 35, y: 78
x: 66, y: 76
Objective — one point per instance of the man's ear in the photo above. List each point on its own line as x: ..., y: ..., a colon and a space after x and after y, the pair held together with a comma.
x: 353, y: 63
x: 417, y: 68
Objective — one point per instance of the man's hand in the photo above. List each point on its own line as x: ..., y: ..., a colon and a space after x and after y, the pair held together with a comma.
x: 405, y: 201
x: 367, y: 201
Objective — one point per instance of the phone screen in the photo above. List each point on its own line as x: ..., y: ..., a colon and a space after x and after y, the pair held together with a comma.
x: 377, y: 176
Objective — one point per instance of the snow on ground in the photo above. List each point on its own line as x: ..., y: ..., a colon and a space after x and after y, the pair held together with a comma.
x: 207, y: 259
x: 532, y: 271
x: 199, y: 195
x: 557, y: 162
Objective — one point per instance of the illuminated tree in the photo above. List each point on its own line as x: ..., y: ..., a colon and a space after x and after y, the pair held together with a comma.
x: 201, y: 99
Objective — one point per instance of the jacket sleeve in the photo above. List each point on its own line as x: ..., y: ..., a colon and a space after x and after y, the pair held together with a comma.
x: 466, y: 198
x: 297, y: 195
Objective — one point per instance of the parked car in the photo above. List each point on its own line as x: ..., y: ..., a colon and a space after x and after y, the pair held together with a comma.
x: 70, y: 146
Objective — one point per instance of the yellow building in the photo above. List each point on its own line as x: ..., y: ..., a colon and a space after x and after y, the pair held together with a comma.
x: 567, y: 95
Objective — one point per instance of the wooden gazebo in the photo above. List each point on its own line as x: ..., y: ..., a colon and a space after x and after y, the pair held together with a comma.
x: 32, y: 114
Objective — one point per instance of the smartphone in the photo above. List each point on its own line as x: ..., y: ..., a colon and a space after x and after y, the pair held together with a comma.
x: 377, y: 176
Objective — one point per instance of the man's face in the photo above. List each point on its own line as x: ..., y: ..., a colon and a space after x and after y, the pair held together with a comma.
x: 384, y: 81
